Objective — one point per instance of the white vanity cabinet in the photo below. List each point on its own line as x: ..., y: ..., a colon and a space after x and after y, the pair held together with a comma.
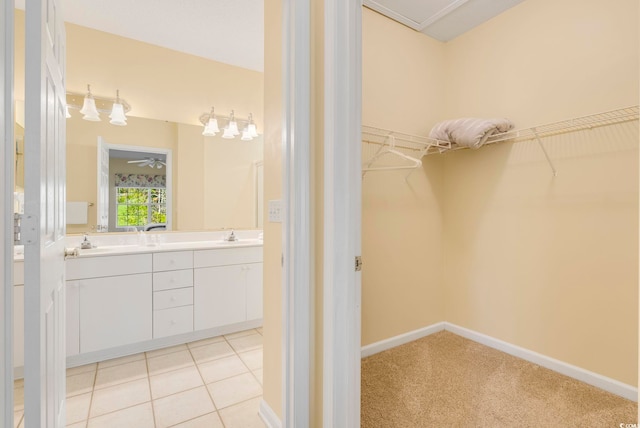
x: 227, y: 286
x: 114, y: 296
x: 172, y: 293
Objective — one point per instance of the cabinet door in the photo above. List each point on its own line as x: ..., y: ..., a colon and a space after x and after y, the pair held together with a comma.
x: 115, y: 311
x: 73, y: 317
x: 219, y: 296
x: 253, y: 278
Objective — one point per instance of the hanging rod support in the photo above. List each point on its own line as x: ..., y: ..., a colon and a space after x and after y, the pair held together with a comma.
x: 553, y: 168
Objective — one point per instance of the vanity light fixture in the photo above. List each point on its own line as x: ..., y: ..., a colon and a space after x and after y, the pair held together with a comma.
x: 232, y: 129
x: 117, y: 112
x: 91, y: 107
x: 211, y: 125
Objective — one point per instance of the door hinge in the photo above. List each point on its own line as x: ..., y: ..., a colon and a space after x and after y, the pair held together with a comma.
x: 358, y: 263
x: 29, y: 229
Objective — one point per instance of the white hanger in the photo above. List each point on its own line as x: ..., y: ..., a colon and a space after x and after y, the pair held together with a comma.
x: 389, y: 148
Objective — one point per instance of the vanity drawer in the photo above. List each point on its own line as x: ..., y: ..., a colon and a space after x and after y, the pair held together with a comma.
x: 98, y: 267
x: 172, y: 279
x: 168, y: 322
x: 227, y: 256
x: 172, y: 260
x: 172, y: 298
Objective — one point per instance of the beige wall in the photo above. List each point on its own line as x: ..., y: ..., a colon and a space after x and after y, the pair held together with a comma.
x: 549, y: 264
x: 401, y: 221
x: 272, y: 250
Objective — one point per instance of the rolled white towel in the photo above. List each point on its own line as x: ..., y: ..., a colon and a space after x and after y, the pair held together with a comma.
x: 469, y: 132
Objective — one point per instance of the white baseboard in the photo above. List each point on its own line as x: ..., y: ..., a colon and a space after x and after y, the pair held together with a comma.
x: 611, y: 385
x: 268, y: 416
x: 401, y: 339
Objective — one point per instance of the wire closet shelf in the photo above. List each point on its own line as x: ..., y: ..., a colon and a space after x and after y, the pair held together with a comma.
x: 408, y: 149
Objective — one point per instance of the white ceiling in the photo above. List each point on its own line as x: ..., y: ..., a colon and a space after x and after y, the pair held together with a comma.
x: 229, y: 31
x: 232, y: 31
x: 443, y: 20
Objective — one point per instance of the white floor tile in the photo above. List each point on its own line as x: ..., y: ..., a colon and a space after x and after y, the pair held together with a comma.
x: 243, y: 415
x: 140, y: 416
x: 80, y: 383
x: 247, y: 343
x: 17, y: 418
x: 207, y: 341
x: 240, y: 334
x: 169, y: 362
x: 121, y: 373
x: 182, y: 407
x: 82, y: 369
x: 212, y: 352
x: 122, y: 360
x: 253, y: 359
x: 222, y: 368
x: 18, y: 398
x: 164, y: 351
x: 234, y: 390
x: 120, y: 397
x: 175, y: 381
x: 211, y: 420
x: 258, y: 375
x: 78, y: 408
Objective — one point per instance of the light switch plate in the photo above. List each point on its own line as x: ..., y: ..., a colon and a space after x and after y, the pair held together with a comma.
x: 275, y: 211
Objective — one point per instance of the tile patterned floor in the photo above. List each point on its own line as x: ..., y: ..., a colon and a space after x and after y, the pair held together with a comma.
x: 213, y: 383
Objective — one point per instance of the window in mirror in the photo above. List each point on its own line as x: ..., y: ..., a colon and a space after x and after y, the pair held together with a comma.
x: 138, y: 206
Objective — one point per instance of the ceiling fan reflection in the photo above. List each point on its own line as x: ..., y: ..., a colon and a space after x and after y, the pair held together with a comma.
x: 150, y: 162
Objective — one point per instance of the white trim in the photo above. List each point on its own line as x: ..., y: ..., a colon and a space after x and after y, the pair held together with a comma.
x: 6, y: 212
x: 297, y: 272
x: 268, y: 416
x: 611, y: 385
x: 401, y: 339
x: 342, y: 212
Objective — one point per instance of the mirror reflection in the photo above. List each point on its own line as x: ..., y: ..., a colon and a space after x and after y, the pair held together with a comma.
x: 210, y: 182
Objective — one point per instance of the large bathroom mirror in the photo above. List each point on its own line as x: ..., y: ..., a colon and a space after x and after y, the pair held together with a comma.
x: 212, y: 182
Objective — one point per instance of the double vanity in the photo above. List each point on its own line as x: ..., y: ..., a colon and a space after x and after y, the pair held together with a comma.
x: 132, y: 293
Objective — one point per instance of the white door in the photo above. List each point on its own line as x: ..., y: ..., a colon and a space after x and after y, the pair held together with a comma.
x: 44, y: 220
x: 103, y: 186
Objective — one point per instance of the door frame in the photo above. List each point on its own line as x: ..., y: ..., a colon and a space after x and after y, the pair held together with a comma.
x: 342, y: 213
x: 297, y: 228
x: 6, y: 212
x: 102, y: 143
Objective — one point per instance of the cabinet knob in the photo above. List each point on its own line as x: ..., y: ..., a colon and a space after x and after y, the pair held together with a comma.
x: 173, y: 322
x: 173, y: 299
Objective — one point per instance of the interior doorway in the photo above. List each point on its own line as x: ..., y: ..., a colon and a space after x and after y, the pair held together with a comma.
x: 138, y: 168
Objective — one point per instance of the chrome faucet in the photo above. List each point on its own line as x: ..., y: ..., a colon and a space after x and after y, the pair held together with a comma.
x: 86, y: 244
x: 232, y: 237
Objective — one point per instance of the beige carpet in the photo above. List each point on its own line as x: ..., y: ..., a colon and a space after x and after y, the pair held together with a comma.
x: 444, y: 380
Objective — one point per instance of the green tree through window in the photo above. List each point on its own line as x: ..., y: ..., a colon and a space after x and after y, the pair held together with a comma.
x: 137, y: 206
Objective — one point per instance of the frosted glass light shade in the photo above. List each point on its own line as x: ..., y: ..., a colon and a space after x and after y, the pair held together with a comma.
x: 233, y: 127
x: 89, y: 110
x: 246, y: 136
x: 117, y: 115
x: 253, y: 131
x: 66, y: 112
x: 211, y: 128
x: 228, y: 133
